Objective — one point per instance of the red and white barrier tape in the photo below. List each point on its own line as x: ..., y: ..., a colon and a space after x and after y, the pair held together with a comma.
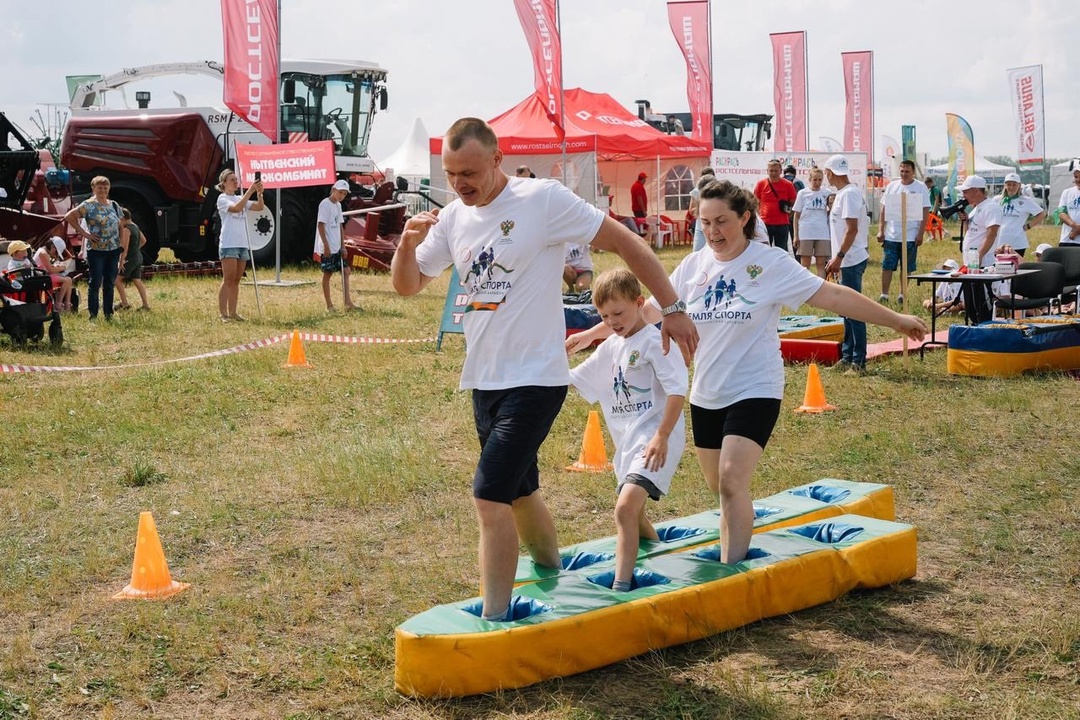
x: 308, y: 337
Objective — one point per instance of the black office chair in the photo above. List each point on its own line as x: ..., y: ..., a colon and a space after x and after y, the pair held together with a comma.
x: 1037, y: 290
x: 1069, y: 257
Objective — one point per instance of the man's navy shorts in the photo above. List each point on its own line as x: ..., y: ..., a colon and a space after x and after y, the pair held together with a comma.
x: 511, y: 425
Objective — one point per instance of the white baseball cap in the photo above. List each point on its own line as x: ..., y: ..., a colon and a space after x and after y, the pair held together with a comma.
x: 59, y: 244
x: 838, y: 164
x: 951, y: 264
x: 1012, y: 177
x: 973, y: 182
x: 342, y: 185
x: 1043, y: 247
x: 1074, y: 165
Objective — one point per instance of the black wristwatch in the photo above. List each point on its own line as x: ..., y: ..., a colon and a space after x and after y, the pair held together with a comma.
x: 839, y: 253
x: 677, y: 307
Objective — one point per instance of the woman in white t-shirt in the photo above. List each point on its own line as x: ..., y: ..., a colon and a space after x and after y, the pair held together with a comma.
x: 812, y: 237
x: 233, y: 247
x: 1018, y: 214
x: 734, y: 290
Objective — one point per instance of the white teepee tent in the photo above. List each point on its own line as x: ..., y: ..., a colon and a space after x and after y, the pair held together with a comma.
x: 412, y: 160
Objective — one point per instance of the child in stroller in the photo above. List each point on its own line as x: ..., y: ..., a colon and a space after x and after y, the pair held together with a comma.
x: 27, y: 303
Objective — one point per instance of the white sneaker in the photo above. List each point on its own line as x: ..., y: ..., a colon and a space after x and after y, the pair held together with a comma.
x: 900, y: 300
x: 883, y: 298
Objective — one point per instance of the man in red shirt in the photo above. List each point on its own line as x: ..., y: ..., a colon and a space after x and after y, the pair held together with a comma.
x: 771, y: 192
x: 639, y: 198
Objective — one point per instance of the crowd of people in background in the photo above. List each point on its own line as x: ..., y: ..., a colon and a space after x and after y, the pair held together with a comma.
x: 112, y: 242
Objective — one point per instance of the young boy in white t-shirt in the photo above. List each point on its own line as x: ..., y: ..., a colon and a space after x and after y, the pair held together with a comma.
x: 641, y: 391
x: 330, y: 243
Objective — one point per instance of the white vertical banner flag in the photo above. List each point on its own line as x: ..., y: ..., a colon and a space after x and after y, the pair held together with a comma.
x: 1026, y: 92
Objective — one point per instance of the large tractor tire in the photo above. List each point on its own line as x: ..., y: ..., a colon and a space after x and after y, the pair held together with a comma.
x: 297, y: 231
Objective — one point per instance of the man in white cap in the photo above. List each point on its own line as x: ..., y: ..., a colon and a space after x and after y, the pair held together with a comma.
x: 1019, y: 213
x: 330, y: 243
x: 848, y: 223
x: 1043, y: 247
x: 981, y: 239
x: 1069, y: 209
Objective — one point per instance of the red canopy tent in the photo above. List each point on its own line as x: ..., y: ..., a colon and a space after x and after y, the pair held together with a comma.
x: 594, y: 123
x: 606, y: 147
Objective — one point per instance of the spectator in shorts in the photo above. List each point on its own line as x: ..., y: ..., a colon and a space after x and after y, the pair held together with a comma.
x: 812, y: 239
x: 132, y: 241
x: 890, y: 234
x: 330, y: 244
x: 578, y: 272
x: 642, y: 408
x: 49, y: 257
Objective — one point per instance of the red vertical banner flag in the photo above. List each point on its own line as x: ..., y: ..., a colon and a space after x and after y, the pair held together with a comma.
x: 789, y: 91
x: 859, y: 90
x: 539, y: 23
x: 250, y: 31
x: 689, y: 20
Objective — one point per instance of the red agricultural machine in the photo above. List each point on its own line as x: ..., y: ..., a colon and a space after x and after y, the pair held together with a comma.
x: 163, y: 163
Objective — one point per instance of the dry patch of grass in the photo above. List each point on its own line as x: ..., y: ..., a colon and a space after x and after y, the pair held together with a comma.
x: 315, y: 510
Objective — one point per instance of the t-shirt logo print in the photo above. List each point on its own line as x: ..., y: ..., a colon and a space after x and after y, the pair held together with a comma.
x: 480, y: 279
x: 753, y: 271
x: 720, y: 291
x: 623, y: 392
x: 506, y: 226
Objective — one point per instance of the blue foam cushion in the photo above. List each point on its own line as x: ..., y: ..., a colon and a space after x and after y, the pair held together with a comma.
x: 824, y: 493
x: 520, y: 608
x: 713, y: 553
x: 828, y: 532
x: 674, y: 532
x: 641, y: 578
x: 585, y: 559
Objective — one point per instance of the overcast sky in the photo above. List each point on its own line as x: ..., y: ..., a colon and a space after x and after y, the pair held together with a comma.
x: 451, y: 58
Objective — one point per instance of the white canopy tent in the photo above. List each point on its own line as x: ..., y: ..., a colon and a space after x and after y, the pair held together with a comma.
x: 412, y: 159
x: 1061, y: 177
x: 990, y: 171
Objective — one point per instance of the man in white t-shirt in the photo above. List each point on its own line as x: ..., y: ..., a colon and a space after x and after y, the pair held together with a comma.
x: 506, y: 237
x: 889, y: 231
x: 1069, y: 209
x: 848, y: 224
x: 984, y: 222
x: 1019, y: 213
x: 330, y: 243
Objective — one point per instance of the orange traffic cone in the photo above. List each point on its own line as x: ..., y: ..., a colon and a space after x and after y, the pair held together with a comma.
x: 296, y: 352
x: 150, y: 577
x: 814, y: 398
x: 593, y: 454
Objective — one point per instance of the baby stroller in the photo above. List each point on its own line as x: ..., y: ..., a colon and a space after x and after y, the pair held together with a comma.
x: 27, y: 304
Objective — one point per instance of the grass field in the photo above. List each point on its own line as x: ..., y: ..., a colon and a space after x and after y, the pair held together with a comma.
x: 314, y: 510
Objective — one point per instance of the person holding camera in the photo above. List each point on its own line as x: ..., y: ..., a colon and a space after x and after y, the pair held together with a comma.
x: 776, y: 196
x: 890, y: 234
x: 233, y: 247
